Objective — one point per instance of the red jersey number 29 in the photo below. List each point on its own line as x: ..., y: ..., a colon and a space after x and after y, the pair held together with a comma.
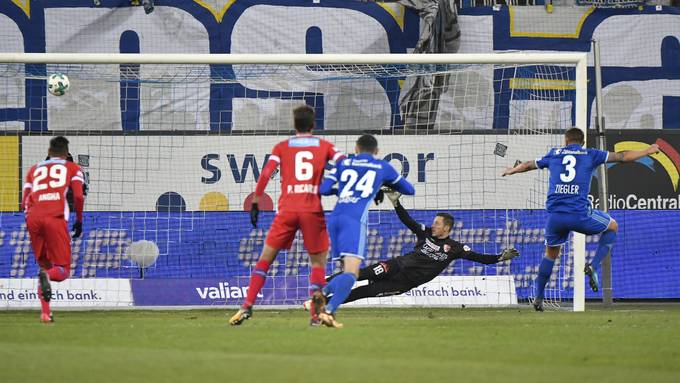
x: 57, y: 175
x: 304, y: 170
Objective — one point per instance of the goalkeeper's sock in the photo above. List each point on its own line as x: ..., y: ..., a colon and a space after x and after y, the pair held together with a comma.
x: 544, y: 271
x: 604, y: 247
x: 317, y: 279
x: 257, y: 279
x: 342, y: 286
x: 58, y: 273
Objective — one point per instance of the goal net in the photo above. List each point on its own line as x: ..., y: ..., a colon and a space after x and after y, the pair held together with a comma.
x: 172, y: 146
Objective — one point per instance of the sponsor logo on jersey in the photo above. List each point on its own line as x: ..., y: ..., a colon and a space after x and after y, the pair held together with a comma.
x: 302, y: 142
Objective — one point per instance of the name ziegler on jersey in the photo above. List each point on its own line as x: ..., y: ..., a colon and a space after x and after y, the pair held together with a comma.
x: 49, y: 197
x: 566, y: 189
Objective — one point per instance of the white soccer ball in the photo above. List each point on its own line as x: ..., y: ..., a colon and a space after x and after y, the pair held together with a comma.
x: 58, y: 84
x: 144, y: 253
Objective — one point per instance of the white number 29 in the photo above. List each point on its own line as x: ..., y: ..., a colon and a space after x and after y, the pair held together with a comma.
x: 569, y: 163
x: 57, y: 175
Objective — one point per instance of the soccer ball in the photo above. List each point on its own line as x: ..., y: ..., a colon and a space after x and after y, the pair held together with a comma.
x: 57, y: 84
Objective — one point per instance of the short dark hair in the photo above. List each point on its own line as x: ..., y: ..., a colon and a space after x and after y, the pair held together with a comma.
x: 59, y: 146
x: 367, y: 143
x: 448, y: 219
x: 303, y: 118
x: 574, y: 135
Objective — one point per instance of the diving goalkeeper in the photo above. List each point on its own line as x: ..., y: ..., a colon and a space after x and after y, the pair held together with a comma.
x: 433, y: 252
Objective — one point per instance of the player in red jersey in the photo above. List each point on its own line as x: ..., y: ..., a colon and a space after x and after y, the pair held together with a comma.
x: 302, y: 160
x: 47, y: 212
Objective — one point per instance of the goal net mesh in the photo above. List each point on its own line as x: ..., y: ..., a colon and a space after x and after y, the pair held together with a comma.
x: 172, y: 154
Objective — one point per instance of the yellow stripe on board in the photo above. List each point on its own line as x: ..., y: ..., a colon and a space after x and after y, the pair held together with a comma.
x: 9, y: 174
x: 25, y: 6
x: 575, y: 35
x: 397, y: 11
x: 217, y: 13
x: 540, y: 84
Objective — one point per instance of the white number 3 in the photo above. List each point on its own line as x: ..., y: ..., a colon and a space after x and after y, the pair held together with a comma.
x: 570, y: 164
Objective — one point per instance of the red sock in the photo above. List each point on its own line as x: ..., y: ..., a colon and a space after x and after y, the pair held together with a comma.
x: 257, y: 279
x: 317, y: 279
x: 44, y: 306
x: 58, y: 273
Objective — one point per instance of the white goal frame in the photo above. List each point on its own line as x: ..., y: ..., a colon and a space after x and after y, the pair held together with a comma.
x: 577, y: 59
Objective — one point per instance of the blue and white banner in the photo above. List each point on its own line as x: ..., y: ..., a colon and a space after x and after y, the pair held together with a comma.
x: 640, y: 56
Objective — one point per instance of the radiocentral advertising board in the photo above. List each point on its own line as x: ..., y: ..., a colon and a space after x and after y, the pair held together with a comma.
x: 650, y: 183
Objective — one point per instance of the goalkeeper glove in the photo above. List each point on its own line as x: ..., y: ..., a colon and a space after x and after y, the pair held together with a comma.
x: 379, y: 197
x: 77, y: 229
x: 508, y: 254
x: 254, y: 211
x: 393, y: 195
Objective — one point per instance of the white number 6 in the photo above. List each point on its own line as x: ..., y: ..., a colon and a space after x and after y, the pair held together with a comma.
x: 304, y: 170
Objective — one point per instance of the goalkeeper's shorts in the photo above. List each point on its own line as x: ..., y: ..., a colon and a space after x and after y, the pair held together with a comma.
x: 559, y: 225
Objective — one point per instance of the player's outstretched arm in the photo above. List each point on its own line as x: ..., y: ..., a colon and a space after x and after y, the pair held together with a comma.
x: 329, y: 181
x: 402, y: 186
x: 406, y: 219
x: 632, y: 155
x: 489, y: 259
x: 521, y: 168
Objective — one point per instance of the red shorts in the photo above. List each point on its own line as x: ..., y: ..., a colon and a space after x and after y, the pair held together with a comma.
x: 50, y: 240
x: 286, y: 224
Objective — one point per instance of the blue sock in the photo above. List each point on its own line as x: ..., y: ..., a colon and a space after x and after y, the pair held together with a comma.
x: 607, y: 240
x: 342, y: 285
x: 544, y: 272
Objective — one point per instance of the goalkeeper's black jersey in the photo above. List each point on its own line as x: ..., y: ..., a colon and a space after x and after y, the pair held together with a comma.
x: 431, y: 255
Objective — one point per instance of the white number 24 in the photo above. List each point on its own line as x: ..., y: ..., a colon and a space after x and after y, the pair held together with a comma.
x: 365, y: 184
x: 57, y: 175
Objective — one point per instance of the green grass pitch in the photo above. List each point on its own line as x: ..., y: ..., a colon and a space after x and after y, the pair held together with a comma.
x: 624, y: 344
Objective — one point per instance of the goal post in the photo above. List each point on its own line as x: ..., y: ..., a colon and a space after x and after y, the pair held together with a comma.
x: 174, y: 156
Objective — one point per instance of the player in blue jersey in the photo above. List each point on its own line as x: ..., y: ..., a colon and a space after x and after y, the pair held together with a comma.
x: 359, y: 179
x: 571, y: 168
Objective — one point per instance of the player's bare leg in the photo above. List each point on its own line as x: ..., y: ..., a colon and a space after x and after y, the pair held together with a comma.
x: 257, y: 280
x: 544, y: 272
x: 317, y: 279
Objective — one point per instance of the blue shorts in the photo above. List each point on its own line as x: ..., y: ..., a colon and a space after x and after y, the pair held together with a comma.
x: 348, y: 236
x: 559, y: 225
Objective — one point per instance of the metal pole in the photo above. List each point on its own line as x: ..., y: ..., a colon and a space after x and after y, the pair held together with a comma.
x: 602, y: 172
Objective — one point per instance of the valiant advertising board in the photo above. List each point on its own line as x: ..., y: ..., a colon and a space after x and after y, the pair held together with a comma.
x: 444, y: 291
